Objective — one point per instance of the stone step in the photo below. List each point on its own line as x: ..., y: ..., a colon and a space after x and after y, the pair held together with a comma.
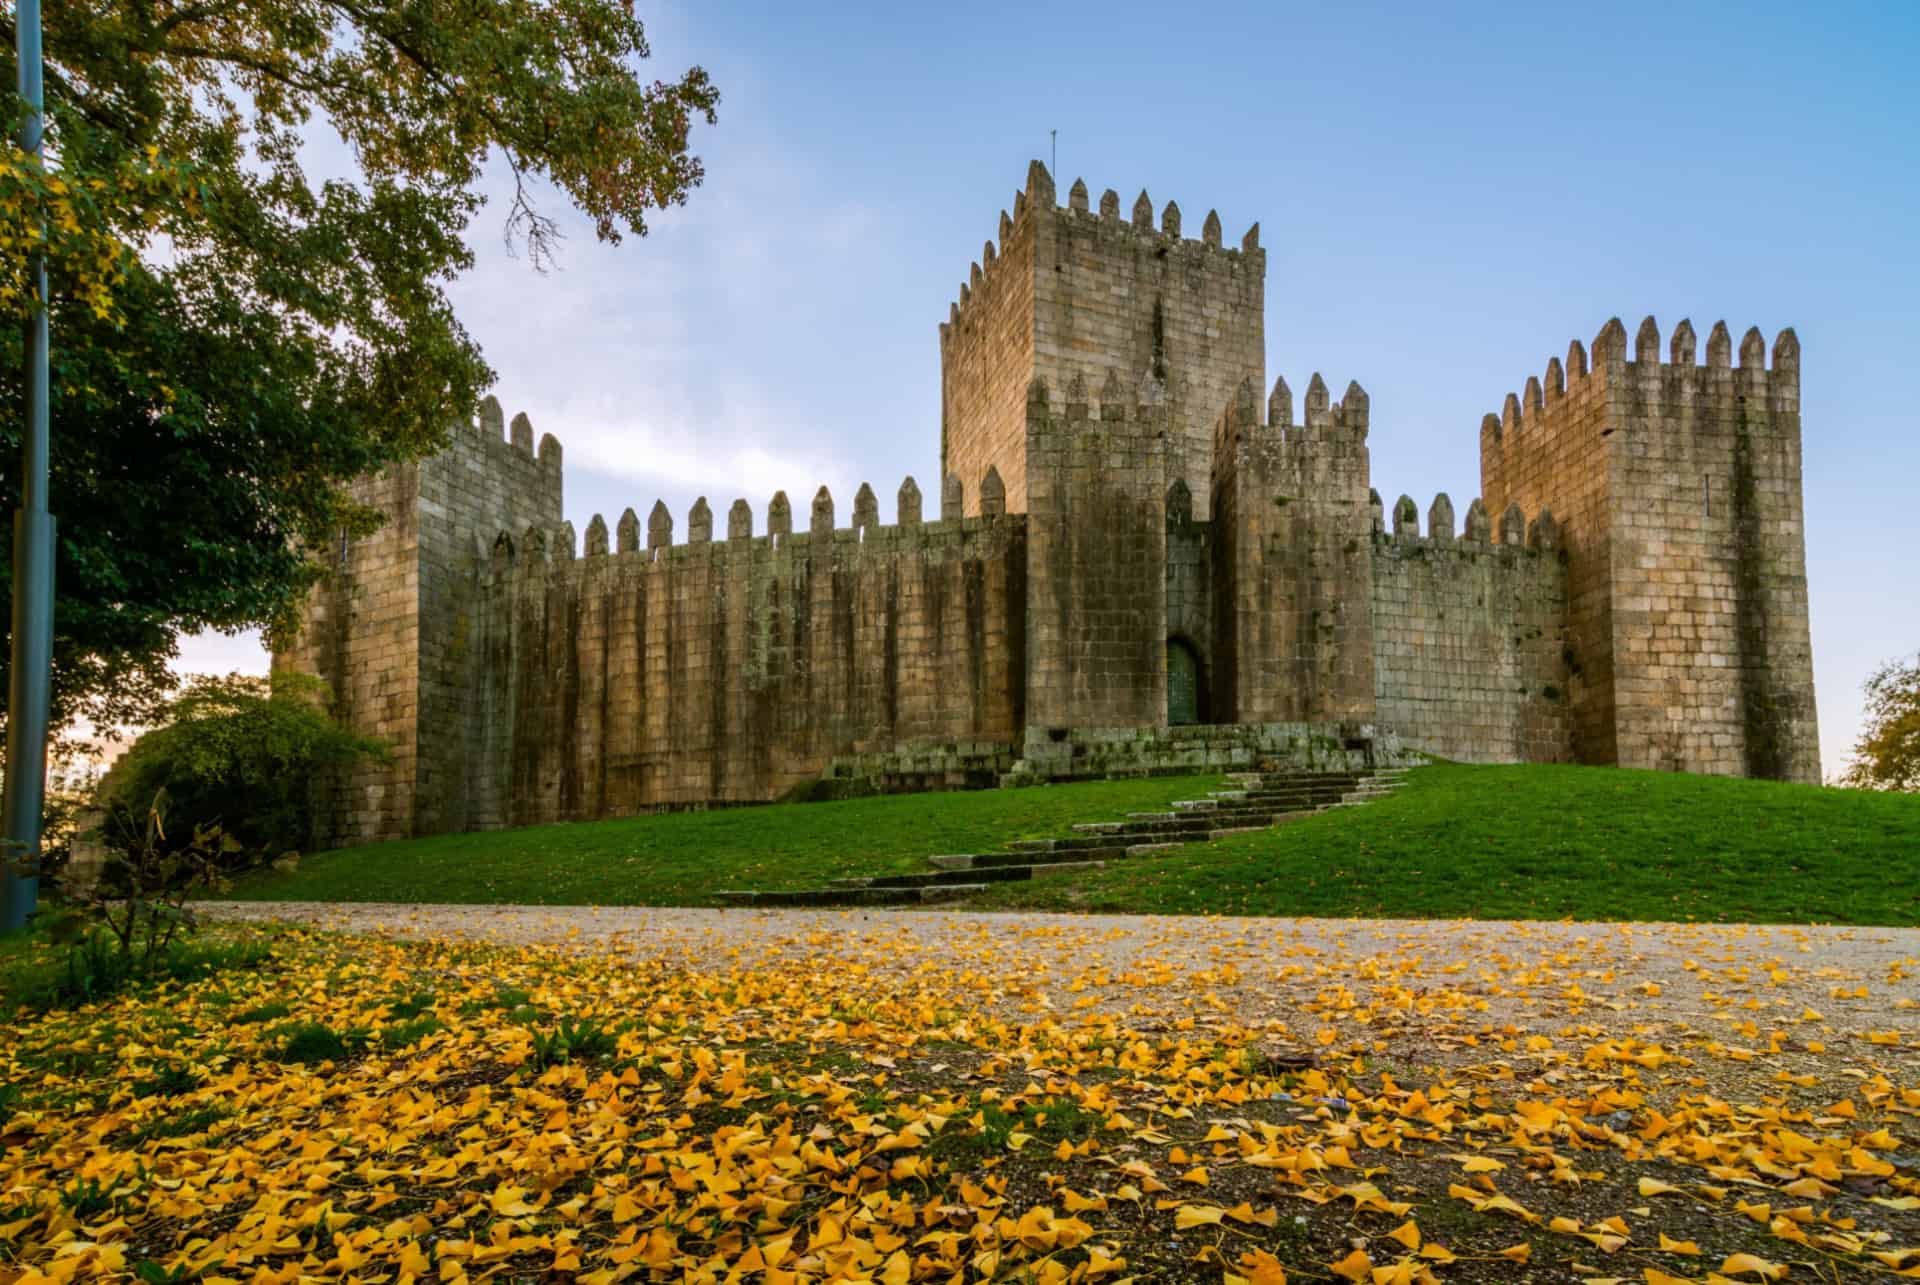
x: 1272, y: 798
x: 935, y: 878
x: 848, y: 896
x: 1201, y: 820
x: 1264, y: 800
x: 1048, y: 862
x: 1303, y: 777
x: 1240, y: 816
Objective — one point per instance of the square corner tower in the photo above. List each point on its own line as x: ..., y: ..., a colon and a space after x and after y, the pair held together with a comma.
x: 1070, y: 292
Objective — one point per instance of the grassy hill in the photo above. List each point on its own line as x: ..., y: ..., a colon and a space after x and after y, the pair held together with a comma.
x: 1546, y: 843
x: 1488, y: 842
x: 684, y: 858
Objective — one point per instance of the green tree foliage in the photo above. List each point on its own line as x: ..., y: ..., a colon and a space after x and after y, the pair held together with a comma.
x: 236, y: 754
x: 1887, y: 755
x: 234, y: 341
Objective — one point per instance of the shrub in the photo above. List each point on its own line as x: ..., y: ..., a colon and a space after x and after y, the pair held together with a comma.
x: 239, y: 754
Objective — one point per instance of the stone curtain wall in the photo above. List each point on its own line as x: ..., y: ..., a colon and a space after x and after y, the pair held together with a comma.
x: 1292, y: 528
x: 729, y: 670
x: 1076, y: 292
x: 1096, y: 602
x: 1679, y: 491
x: 1469, y: 635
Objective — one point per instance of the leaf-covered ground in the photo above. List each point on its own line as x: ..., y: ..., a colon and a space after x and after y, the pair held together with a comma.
x: 789, y: 1098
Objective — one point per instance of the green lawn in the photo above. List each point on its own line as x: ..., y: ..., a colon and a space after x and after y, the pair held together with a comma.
x: 1544, y: 843
x: 1486, y: 842
x: 682, y: 859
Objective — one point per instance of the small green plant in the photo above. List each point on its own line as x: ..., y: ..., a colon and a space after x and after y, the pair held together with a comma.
x: 411, y: 1006
x: 172, y: 1081
x: 572, y: 1039
x: 181, y: 1124
x: 260, y: 1013
x: 143, y: 901
x: 308, y: 1042
x: 88, y: 1198
x: 406, y: 1034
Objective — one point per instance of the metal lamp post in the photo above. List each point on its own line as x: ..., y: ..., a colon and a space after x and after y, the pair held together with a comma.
x: 33, y: 542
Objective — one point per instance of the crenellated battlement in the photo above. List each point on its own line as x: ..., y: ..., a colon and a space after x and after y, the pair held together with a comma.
x: 1038, y: 200
x: 499, y: 440
x: 1513, y: 531
x: 1322, y: 419
x: 1680, y: 376
x: 539, y: 544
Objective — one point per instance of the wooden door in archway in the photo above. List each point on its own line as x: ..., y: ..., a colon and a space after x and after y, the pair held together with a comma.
x: 1183, y: 683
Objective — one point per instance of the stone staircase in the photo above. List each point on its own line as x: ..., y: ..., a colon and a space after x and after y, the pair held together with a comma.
x: 1251, y: 801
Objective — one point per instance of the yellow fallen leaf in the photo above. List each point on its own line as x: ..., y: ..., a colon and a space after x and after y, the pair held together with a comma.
x: 1518, y: 1253
x: 1195, y: 1215
x: 1672, y: 1246
x: 509, y: 1201
x: 1741, y: 1264
x: 1482, y: 1164
x: 1809, y: 1189
x: 1355, y: 1267
x: 1407, y: 1233
x: 1654, y: 1187
x: 1655, y: 1276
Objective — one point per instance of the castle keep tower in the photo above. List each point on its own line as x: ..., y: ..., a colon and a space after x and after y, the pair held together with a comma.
x: 1070, y: 292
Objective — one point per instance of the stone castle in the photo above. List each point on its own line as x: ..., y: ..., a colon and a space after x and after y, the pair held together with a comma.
x: 1138, y: 564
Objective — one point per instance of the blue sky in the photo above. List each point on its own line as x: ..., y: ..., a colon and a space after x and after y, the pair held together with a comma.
x: 1447, y: 195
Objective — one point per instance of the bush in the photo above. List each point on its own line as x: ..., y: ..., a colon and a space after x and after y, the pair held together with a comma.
x: 239, y: 755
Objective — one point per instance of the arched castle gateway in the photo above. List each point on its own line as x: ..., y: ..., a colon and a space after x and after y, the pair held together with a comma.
x: 1137, y: 564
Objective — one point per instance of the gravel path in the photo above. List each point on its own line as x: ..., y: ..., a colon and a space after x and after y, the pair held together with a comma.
x: 1654, y: 981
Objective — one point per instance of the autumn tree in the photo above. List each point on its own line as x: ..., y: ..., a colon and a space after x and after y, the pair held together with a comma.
x: 1887, y: 755
x: 234, y: 339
